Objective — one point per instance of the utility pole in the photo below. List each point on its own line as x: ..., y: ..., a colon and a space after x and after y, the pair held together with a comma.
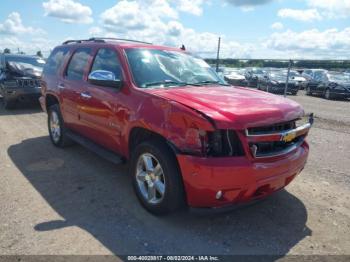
x: 218, y: 55
x: 289, y: 66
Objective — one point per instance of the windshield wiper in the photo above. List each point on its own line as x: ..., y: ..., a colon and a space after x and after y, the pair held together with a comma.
x: 165, y: 83
x: 209, y: 82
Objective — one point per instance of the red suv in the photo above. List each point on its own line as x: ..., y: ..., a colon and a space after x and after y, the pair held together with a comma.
x: 190, y: 138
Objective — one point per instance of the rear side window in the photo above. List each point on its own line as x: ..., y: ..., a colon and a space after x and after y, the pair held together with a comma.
x: 78, y: 63
x: 55, y: 61
x: 107, y: 59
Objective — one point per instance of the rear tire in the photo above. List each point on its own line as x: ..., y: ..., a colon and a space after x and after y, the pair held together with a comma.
x: 328, y: 94
x: 156, y: 177
x: 57, y: 129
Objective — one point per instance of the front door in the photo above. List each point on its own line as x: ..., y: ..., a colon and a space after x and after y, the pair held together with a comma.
x: 99, y: 111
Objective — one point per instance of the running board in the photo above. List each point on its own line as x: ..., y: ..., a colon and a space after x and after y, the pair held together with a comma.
x: 99, y: 150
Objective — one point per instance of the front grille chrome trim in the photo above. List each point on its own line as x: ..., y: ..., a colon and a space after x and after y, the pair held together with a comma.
x: 293, y: 138
x: 280, y: 153
x: 279, y: 136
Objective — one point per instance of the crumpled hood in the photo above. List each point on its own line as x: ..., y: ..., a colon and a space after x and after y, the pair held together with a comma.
x: 234, y: 107
x: 24, y: 69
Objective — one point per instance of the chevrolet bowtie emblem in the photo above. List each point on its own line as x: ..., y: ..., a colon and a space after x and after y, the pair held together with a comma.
x: 288, y: 137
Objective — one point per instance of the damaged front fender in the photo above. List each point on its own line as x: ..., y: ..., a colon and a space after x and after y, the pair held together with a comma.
x: 181, y: 126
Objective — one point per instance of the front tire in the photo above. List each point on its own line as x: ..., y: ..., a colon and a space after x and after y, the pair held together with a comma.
x: 156, y: 177
x: 9, y: 104
x: 57, y: 129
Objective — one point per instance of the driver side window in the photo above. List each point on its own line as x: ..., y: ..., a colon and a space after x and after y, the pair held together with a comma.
x: 318, y: 76
x: 107, y: 59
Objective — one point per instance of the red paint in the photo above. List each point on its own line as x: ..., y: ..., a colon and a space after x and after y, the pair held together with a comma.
x: 239, y: 178
x: 179, y: 115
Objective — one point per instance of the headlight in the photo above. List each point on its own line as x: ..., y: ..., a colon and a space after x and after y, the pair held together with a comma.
x: 223, y: 143
x: 216, y: 142
x: 10, y: 83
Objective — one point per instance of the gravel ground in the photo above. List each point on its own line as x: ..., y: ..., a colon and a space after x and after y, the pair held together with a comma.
x: 70, y: 201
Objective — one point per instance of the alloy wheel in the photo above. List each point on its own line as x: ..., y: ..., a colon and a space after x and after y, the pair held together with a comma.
x: 150, y: 178
x: 55, y: 126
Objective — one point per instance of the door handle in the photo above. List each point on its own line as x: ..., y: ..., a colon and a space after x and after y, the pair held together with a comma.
x: 60, y: 86
x: 85, y: 95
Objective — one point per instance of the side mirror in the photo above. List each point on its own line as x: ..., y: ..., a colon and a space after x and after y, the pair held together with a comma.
x: 104, y: 78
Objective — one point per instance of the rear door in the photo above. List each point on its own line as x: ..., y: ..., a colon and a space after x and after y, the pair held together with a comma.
x: 316, y: 81
x: 100, y: 109
x: 52, y: 72
x: 73, y: 85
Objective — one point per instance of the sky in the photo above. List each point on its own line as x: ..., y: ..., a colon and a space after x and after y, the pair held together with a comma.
x: 280, y: 29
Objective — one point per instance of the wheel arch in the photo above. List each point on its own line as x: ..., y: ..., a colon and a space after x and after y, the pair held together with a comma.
x: 51, y: 100
x: 139, y: 134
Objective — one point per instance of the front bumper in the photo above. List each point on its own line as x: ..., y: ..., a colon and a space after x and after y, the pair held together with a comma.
x: 240, y: 180
x: 22, y: 93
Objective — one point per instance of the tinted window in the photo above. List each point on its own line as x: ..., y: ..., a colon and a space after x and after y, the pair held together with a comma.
x: 77, y: 64
x: 318, y: 75
x: 107, y: 59
x: 55, y: 61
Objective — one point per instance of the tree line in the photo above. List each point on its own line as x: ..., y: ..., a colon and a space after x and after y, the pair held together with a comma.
x: 8, y: 51
x: 325, y: 64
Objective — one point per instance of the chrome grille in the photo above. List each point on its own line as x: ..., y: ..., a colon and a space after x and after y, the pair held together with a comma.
x: 271, y: 128
x: 28, y: 83
x: 276, y: 140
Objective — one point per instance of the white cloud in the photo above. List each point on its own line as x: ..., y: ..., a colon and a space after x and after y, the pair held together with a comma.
x: 277, y: 26
x: 190, y: 6
x: 332, y: 8
x: 13, y: 25
x: 331, y: 43
x: 248, y: 2
x: 149, y: 22
x: 307, y: 15
x: 28, y: 46
x: 68, y: 11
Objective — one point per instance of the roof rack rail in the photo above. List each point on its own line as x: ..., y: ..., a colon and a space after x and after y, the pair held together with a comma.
x: 118, y: 39
x: 81, y: 41
x: 102, y: 40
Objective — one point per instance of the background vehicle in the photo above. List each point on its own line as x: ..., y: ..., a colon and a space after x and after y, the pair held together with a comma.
x: 274, y: 81
x: 235, y: 77
x: 20, y: 78
x: 253, y: 75
x: 297, y: 78
x: 329, y: 84
x: 190, y: 137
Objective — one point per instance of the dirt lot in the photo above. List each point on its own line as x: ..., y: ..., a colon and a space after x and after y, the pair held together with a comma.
x: 70, y: 201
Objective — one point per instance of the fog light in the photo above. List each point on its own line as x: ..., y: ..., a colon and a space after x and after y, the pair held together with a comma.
x: 219, y: 195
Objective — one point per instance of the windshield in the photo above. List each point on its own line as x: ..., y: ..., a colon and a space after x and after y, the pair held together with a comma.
x: 293, y: 74
x: 25, y: 60
x: 277, y: 76
x: 162, y: 68
x: 338, y: 77
x: 257, y: 71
